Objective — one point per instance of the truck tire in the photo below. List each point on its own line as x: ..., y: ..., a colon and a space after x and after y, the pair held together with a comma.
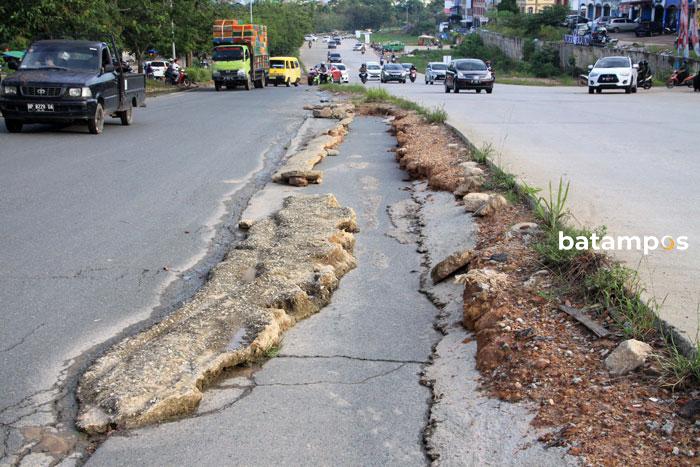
x: 217, y: 86
x: 296, y: 83
x: 13, y: 126
x: 126, y: 116
x: 287, y: 83
x: 248, y: 84
x: 96, y: 123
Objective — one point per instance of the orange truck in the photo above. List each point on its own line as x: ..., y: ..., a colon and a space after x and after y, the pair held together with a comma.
x: 240, y: 55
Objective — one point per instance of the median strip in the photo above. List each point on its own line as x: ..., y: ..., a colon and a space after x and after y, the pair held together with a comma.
x: 286, y: 269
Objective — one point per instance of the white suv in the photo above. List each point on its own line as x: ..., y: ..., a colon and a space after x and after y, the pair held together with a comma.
x: 612, y: 73
x: 374, y: 71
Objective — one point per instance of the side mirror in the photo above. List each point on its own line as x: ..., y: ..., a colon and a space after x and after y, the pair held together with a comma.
x: 12, y: 65
x: 635, y: 66
x: 108, y: 68
x: 590, y: 67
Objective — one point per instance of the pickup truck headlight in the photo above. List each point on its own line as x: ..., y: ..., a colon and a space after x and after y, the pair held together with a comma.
x: 9, y: 90
x: 624, y: 73
x: 216, y: 74
x: 241, y: 73
x: 80, y: 92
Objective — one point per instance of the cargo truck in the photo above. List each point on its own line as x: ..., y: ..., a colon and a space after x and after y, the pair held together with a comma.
x: 240, y: 55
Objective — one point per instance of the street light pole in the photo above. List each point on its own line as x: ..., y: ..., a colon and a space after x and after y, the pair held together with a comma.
x: 251, y: 11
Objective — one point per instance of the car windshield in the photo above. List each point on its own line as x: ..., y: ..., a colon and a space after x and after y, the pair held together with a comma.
x: 227, y: 55
x: 438, y: 66
x: 372, y: 66
x: 471, y: 65
x: 276, y: 63
x: 407, y: 65
x: 340, y: 66
x: 393, y: 67
x: 613, y: 62
x: 62, y: 57
x: 158, y: 64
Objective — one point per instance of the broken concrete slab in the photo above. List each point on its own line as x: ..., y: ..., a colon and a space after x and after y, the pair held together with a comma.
x: 285, y: 270
x: 298, y: 170
x: 628, y: 356
x: 450, y: 265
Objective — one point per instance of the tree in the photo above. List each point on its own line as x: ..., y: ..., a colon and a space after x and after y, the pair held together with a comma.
x: 508, y: 5
x: 145, y: 23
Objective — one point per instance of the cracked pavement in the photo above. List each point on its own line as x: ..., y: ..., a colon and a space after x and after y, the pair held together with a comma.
x: 345, y: 388
x: 102, y: 234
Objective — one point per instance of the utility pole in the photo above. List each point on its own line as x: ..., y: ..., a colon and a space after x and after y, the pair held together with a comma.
x: 172, y: 28
x: 251, y: 11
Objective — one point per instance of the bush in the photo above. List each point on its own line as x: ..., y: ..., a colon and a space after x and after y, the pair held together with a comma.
x: 473, y: 47
x: 198, y: 74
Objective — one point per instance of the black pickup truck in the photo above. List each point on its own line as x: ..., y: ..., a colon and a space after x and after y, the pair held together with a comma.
x: 62, y: 81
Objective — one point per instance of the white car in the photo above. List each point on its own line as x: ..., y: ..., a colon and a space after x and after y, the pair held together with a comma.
x: 159, y: 67
x: 357, y: 47
x: 326, y: 39
x: 374, y: 71
x: 310, y: 37
x: 344, y: 75
x: 612, y: 73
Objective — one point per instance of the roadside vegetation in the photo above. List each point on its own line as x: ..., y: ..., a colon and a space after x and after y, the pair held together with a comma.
x: 379, y: 95
x: 613, y: 291
x: 540, y: 65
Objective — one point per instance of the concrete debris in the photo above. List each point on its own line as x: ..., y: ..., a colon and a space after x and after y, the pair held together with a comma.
x: 628, y: 356
x: 481, y: 288
x: 450, y: 265
x: 339, y: 111
x: 483, y: 204
x: 298, y: 170
x: 245, y: 224
x: 524, y: 228
x: 538, y: 281
x: 285, y: 270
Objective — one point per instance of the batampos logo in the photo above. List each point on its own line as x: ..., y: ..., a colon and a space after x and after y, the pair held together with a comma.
x: 646, y: 244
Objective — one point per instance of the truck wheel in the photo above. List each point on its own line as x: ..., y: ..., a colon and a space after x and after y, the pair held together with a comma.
x: 287, y: 83
x: 97, y: 122
x: 217, y: 86
x: 296, y: 83
x: 126, y: 116
x: 13, y: 126
x: 591, y: 89
x: 247, y: 84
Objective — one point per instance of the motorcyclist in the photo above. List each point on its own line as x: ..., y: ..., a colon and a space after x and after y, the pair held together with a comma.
x: 323, y: 73
x: 362, y: 49
x: 413, y: 68
x: 174, y: 69
x: 643, y: 70
x: 393, y: 58
x: 363, y: 68
x: 682, y: 73
x: 309, y: 44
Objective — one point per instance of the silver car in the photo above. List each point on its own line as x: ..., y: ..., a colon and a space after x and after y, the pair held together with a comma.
x: 621, y: 25
x: 435, y: 71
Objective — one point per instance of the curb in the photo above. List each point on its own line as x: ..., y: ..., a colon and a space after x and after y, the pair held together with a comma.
x: 667, y: 330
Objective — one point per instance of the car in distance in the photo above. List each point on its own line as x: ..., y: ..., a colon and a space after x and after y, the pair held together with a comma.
x: 357, y: 47
x: 406, y: 66
x: 435, y: 71
x: 334, y: 57
x: 393, y: 72
x: 612, y: 73
x: 621, y: 25
x: 332, y: 45
x: 468, y: 73
x: 374, y: 71
x: 310, y: 37
x: 158, y: 68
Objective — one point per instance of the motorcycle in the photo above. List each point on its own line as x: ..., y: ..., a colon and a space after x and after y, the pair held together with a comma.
x: 309, y: 44
x: 412, y: 76
x: 677, y: 80
x: 182, y: 79
x: 312, y: 76
x: 363, y: 77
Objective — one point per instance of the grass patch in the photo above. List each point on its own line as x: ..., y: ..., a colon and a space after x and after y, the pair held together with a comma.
x: 273, y: 351
x: 619, y: 289
x: 678, y: 369
x: 393, y: 36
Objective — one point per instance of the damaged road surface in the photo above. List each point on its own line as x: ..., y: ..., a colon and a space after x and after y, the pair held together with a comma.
x: 344, y: 387
x: 101, y: 235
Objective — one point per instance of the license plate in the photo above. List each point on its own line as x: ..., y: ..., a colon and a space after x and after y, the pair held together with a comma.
x: 40, y: 107
x: 475, y: 81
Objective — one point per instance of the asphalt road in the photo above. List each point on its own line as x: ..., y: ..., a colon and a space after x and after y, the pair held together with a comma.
x: 345, y: 388
x: 631, y: 159
x: 98, y: 231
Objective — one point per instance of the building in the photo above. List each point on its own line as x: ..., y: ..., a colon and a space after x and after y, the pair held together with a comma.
x: 536, y: 6
x: 665, y: 12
